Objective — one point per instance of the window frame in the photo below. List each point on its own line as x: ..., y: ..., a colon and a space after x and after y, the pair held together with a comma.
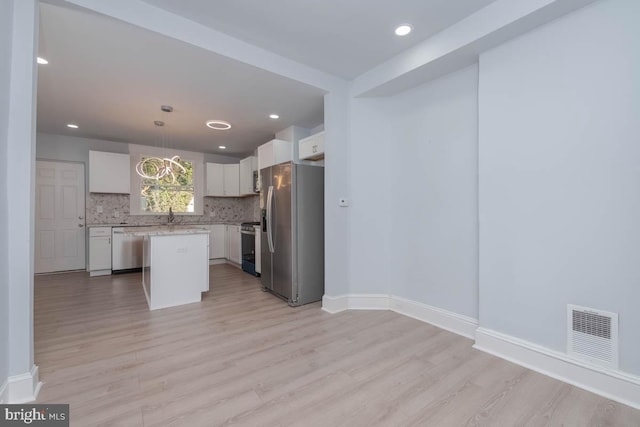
x: 137, y: 152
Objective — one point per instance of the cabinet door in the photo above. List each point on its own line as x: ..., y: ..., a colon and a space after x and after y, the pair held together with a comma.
x: 246, y: 176
x: 282, y: 151
x: 265, y: 155
x: 311, y: 148
x: 217, y: 241
x: 232, y: 180
x: 215, y: 180
x: 234, y: 244
x: 109, y: 173
x: 100, y: 253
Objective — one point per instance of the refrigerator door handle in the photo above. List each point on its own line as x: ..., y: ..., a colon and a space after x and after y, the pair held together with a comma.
x: 270, y: 219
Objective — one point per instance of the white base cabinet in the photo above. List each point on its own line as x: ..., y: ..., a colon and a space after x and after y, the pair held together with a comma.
x: 99, y: 251
x: 217, y: 241
x: 234, y: 245
x: 176, y: 269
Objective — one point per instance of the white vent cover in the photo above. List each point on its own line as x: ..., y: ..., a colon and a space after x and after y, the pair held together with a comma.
x: 592, y: 335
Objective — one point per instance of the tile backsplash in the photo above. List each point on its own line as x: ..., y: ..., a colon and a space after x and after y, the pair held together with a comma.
x: 215, y: 209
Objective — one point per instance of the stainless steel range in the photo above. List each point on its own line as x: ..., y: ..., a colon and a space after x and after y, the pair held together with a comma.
x: 248, y: 233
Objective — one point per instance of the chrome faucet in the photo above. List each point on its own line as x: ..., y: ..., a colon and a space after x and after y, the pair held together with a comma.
x: 171, y: 217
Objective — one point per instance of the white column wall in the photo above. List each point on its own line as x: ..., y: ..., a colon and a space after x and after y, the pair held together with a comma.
x: 20, y: 172
x: 413, y: 213
x: 371, y: 199
x: 336, y: 185
x: 435, y: 193
x: 6, y: 37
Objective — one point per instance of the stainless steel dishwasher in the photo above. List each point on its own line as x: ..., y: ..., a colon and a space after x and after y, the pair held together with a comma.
x: 126, y: 251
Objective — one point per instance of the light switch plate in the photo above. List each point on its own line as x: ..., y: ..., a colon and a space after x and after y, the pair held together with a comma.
x: 99, y: 209
x: 116, y: 214
x: 343, y: 202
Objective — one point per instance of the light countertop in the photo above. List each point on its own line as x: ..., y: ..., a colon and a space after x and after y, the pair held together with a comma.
x: 115, y: 224
x: 165, y: 230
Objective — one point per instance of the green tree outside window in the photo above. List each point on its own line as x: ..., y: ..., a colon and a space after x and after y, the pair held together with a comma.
x: 161, y: 194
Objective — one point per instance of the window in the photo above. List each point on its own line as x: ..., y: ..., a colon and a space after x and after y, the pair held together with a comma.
x: 154, y: 196
x: 176, y: 192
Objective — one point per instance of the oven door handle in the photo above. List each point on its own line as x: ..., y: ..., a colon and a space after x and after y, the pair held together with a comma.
x: 250, y: 233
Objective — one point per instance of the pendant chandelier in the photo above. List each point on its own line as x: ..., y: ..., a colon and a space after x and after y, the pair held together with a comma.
x: 160, y: 167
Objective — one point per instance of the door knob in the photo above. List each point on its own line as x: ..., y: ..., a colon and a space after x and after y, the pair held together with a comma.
x: 80, y: 217
x: 80, y: 225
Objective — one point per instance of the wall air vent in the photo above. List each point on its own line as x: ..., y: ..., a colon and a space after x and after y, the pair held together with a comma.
x: 592, y: 335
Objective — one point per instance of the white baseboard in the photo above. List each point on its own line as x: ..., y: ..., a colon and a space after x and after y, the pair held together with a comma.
x: 445, y: 319
x: 355, y: 302
x: 217, y: 261
x: 22, y: 388
x: 610, y: 383
x: 453, y: 322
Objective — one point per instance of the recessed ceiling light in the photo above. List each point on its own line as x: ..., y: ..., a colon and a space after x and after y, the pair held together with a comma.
x: 222, y: 147
x: 218, y: 124
x: 72, y: 126
x: 42, y: 61
x: 274, y: 116
x: 403, y: 30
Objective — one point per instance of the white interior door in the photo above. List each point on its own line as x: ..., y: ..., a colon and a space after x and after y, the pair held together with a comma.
x: 60, y: 223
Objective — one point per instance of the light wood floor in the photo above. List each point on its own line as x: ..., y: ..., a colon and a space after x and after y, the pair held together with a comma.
x: 243, y: 357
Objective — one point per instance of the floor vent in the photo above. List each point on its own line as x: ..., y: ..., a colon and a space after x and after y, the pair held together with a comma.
x: 592, y: 335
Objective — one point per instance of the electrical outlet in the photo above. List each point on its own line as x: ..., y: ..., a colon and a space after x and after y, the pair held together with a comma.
x: 99, y: 209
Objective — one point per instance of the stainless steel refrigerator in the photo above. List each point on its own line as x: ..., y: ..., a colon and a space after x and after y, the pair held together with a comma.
x: 292, y: 237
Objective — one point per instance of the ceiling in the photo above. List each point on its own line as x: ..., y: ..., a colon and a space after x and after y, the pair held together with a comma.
x: 110, y: 78
x: 342, y: 37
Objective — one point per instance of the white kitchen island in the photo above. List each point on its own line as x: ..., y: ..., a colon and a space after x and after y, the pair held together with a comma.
x: 175, y: 264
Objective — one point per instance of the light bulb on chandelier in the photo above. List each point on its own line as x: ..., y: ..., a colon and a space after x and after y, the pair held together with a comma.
x: 160, y: 167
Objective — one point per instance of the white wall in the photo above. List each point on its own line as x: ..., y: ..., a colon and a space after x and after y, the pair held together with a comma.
x: 6, y: 28
x: 414, y: 180
x: 434, y: 226
x: 560, y: 177
x: 371, y: 207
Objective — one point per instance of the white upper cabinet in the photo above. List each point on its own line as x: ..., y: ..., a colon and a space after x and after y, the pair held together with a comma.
x: 274, y: 152
x: 247, y: 167
x: 312, y: 147
x: 215, y: 180
x: 109, y: 172
x: 231, y: 180
x: 222, y: 180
